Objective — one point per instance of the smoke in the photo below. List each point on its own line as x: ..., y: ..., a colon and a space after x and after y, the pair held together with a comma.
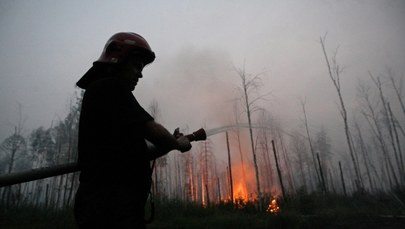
x: 191, y: 88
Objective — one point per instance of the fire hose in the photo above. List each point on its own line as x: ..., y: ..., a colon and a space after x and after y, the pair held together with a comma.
x: 45, y: 172
x: 42, y: 173
x: 57, y: 170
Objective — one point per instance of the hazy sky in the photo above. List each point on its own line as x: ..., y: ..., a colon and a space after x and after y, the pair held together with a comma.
x: 46, y: 46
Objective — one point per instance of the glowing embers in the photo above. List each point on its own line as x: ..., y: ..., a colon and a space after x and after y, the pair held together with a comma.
x: 273, y: 207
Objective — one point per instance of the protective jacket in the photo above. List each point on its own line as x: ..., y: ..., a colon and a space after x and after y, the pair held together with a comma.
x: 112, y: 147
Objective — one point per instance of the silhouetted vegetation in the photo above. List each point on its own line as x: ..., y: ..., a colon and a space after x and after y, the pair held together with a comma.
x: 303, y: 210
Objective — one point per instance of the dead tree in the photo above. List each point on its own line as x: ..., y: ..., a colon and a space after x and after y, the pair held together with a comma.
x: 268, y: 176
x: 334, y: 72
x: 388, y: 123
x: 395, y: 133
x: 206, y: 167
x: 310, y: 143
x: 189, y: 177
x: 397, y: 86
x: 279, y: 171
x: 297, y: 145
x: 365, y: 154
x: 342, y: 179
x: 373, y: 119
x: 264, y: 136
x: 249, y: 86
x: 323, y: 148
x: 229, y: 167
x: 324, y: 188
x: 287, y: 164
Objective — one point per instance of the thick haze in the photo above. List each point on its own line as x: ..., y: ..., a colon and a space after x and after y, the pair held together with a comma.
x: 46, y: 46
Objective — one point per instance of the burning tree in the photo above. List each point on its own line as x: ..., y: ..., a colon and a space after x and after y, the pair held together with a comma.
x: 247, y: 88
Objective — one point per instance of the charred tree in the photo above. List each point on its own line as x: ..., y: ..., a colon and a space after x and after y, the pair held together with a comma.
x: 229, y: 167
x: 279, y: 171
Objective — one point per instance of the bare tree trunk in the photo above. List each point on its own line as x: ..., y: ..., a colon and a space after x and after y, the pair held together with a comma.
x: 279, y: 172
x: 189, y: 180
x: 324, y: 189
x: 269, y: 174
x: 287, y: 165
x: 304, y: 180
x: 247, y: 86
x: 331, y: 181
x: 310, y: 142
x: 297, y: 144
x: 398, y: 91
x: 229, y: 166
x: 206, y: 170
x: 378, y: 134
x: 387, y: 121
x: 47, y: 196
x: 180, y: 181
x: 342, y: 179
x: 334, y: 74
x: 365, y: 155
x: 252, y: 145
x: 400, y: 160
x: 219, y: 190
x: 311, y: 182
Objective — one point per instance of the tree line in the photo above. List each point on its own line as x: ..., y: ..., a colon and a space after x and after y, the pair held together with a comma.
x: 264, y: 159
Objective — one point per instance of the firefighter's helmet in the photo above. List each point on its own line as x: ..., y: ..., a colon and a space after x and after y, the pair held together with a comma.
x: 123, y: 44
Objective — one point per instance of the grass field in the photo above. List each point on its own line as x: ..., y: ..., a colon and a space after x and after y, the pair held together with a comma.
x: 304, y: 211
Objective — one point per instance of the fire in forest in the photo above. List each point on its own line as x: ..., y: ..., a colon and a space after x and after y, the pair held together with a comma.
x: 240, y: 195
x: 241, y: 192
x: 273, y: 207
x: 243, y: 177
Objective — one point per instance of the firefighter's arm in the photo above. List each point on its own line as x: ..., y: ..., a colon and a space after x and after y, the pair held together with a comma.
x: 162, y: 141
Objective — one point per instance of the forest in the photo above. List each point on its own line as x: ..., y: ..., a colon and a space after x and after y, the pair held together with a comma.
x: 272, y: 177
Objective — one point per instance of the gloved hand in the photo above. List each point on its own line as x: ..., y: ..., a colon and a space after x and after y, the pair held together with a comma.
x: 184, y: 144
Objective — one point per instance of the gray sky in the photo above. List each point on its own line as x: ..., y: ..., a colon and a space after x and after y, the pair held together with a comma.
x: 47, y: 45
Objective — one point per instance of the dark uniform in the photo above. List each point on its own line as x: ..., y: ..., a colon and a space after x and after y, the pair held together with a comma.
x: 115, y: 170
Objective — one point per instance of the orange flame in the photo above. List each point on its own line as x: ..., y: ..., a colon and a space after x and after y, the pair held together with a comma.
x: 273, y: 207
x: 241, y: 192
x: 243, y: 177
